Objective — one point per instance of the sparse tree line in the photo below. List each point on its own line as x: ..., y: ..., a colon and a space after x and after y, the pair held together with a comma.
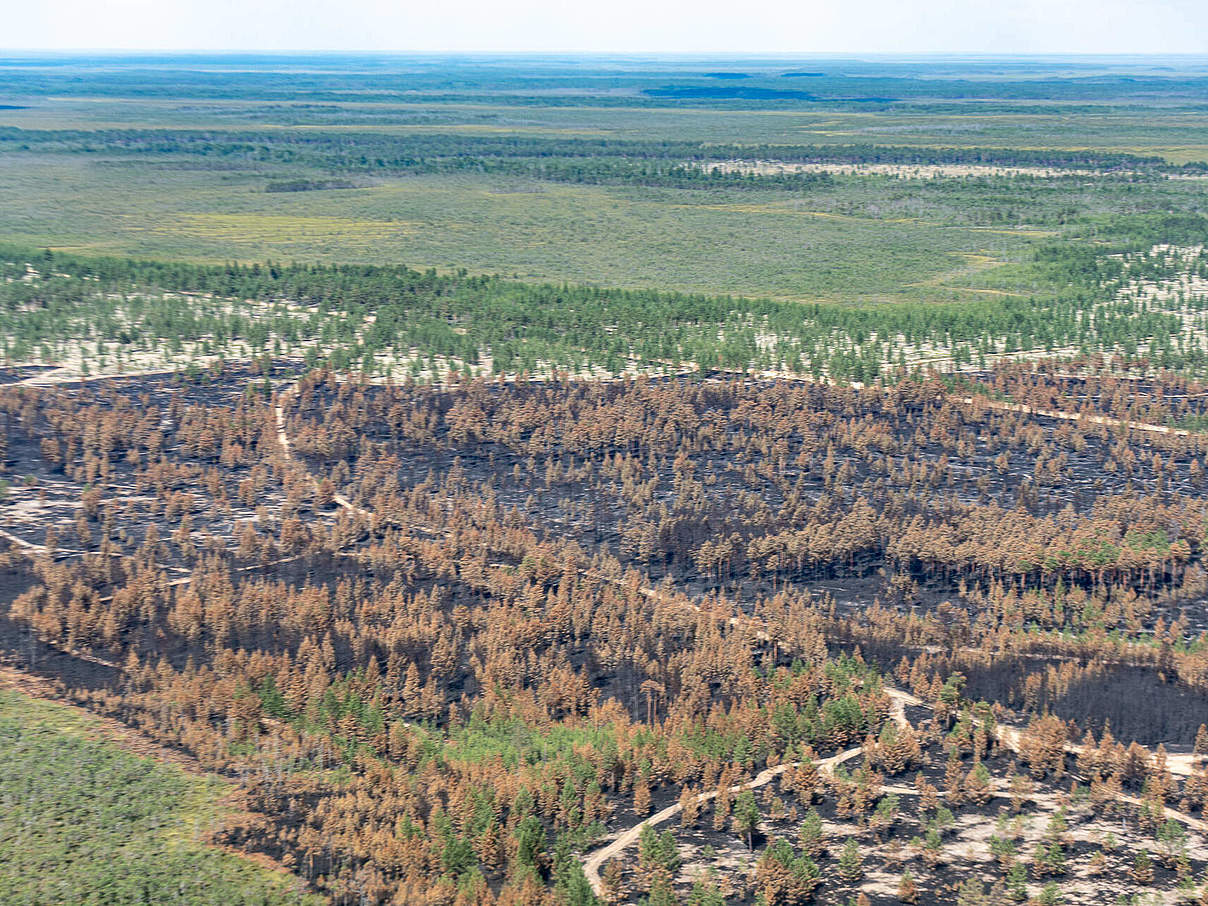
x: 407, y: 322
x: 352, y: 150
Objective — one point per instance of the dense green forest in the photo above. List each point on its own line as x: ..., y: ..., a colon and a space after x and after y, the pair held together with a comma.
x: 667, y: 164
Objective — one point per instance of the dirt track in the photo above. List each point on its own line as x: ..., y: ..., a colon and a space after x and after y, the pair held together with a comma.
x: 999, y: 406
x: 594, y: 861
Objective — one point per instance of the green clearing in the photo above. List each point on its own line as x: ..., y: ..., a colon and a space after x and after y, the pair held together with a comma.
x: 685, y: 240
x: 85, y: 823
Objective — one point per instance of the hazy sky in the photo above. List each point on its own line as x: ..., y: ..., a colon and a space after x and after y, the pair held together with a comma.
x: 785, y: 26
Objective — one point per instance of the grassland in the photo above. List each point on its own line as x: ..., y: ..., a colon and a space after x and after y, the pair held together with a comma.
x: 612, y: 236
x: 84, y: 822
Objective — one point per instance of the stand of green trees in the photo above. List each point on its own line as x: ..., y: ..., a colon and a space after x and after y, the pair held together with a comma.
x: 349, y: 315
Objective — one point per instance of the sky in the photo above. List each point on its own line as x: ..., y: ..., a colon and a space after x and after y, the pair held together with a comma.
x: 615, y: 26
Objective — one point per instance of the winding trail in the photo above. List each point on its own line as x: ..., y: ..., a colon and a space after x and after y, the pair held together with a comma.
x: 287, y: 448
x: 26, y: 547
x: 1010, y: 737
x: 1107, y: 420
x: 594, y: 861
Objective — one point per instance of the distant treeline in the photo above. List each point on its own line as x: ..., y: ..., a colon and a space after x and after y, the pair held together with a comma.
x: 374, y: 150
x: 308, y: 185
x: 846, y: 83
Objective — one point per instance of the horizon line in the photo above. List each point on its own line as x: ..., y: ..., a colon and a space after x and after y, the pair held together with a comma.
x: 706, y: 54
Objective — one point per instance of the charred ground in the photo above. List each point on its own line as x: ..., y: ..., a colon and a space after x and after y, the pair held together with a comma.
x: 450, y: 636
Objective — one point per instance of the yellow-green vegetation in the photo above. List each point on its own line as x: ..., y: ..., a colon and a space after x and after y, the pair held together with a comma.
x: 608, y: 235
x: 83, y: 822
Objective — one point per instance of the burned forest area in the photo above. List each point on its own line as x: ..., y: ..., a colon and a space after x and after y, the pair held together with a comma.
x: 662, y: 640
